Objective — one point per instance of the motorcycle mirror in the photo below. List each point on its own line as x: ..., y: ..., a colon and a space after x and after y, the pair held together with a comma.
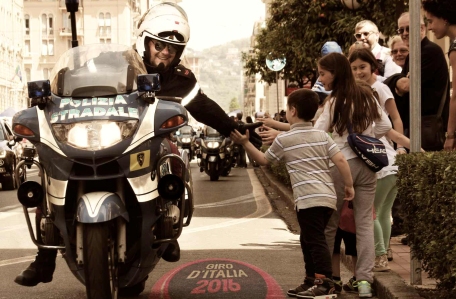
x: 148, y: 83
x: 39, y: 89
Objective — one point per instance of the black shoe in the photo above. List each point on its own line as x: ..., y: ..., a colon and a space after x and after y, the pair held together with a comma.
x: 40, y: 270
x: 404, y: 241
x: 322, y: 287
x: 307, y: 284
x: 172, y: 252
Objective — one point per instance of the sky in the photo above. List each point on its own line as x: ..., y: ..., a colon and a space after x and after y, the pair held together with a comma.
x: 215, y: 22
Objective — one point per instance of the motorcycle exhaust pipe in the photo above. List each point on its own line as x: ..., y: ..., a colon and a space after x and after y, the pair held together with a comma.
x: 30, y: 194
x: 170, y: 187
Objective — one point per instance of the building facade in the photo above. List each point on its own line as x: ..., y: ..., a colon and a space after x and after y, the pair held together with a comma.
x: 48, y: 32
x: 12, y: 79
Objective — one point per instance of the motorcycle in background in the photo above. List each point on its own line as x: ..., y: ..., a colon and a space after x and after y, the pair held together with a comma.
x: 113, y: 194
x: 215, y: 154
x: 186, y: 140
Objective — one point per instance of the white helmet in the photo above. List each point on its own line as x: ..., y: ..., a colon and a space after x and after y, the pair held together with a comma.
x: 165, y: 21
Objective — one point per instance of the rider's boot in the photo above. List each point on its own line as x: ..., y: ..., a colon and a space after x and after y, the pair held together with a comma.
x: 40, y: 270
x: 172, y: 252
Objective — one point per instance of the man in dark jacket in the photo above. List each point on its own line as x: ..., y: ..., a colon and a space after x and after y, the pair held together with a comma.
x: 434, y: 77
x: 163, y: 33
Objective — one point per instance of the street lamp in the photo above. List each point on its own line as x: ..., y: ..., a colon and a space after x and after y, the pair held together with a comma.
x: 276, y: 64
x: 72, y: 8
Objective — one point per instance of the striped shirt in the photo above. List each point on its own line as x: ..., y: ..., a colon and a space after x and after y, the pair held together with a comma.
x: 307, y: 152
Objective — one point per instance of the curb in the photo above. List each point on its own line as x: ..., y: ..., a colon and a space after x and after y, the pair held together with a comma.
x: 388, y: 285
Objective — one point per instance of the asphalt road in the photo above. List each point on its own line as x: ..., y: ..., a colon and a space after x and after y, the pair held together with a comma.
x: 237, y: 246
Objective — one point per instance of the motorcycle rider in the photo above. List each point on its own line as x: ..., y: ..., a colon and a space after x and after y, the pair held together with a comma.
x: 162, y: 34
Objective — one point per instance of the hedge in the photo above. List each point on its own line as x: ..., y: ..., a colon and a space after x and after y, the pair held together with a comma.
x: 427, y: 191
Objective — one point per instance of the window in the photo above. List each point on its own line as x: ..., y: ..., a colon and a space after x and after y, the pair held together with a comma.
x: 50, y: 25
x: 46, y: 74
x: 27, y: 48
x: 104, y: 24
x: 47, y: 47
x: 27, y: 24
x: 28, y: 74
x: 44, y: 24
x: 44, y: 49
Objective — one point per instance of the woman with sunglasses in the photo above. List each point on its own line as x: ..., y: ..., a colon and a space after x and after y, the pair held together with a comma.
x: 399, y: 50
x: 441, y: 16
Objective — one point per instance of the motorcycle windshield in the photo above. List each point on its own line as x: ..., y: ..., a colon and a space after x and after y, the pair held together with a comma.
x: 96, y: 70
x: 186, y: 130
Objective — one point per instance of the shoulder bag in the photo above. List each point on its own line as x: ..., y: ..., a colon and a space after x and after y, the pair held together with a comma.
x: 371, y: 150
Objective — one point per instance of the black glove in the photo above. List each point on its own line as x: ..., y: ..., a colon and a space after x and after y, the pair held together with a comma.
x: 254, y: 138
x: 251, y: 127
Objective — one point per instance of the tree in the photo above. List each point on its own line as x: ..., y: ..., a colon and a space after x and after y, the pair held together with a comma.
x: 234, y: 104
x: 299, y: 28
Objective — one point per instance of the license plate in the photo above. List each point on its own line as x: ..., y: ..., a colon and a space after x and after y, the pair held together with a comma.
x: 2, y: 170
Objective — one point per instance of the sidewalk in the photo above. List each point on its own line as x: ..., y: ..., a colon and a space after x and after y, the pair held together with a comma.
x: 394, y: 284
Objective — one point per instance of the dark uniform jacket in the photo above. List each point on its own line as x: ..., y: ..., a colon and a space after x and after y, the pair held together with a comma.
x: 181, y: 82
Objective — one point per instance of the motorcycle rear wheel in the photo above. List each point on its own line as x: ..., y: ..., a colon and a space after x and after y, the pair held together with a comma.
x: 96, y: 262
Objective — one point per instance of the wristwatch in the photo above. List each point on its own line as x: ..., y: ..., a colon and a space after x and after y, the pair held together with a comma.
x: 449, y: 135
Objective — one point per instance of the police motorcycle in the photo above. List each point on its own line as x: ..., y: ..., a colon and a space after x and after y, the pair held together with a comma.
x: 113, y: 194
x: 214, y: 157
x: 186, y: 140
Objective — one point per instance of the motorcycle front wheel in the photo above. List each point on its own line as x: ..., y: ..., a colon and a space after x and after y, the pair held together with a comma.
x: 213, y: 171
x: 100, y: 277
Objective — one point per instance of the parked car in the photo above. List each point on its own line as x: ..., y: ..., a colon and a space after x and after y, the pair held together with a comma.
x: 8, y: 157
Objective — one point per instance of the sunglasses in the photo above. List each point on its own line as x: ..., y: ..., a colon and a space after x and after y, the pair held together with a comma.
x: 160, y: 46
x: 365, y: 34
x: 402, y: 51
x: 402, y: 29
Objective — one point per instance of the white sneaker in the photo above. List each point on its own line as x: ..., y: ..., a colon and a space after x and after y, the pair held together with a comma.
x: 381, y: 263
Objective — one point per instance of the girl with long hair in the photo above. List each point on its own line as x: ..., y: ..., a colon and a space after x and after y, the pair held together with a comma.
x: 351, y: 104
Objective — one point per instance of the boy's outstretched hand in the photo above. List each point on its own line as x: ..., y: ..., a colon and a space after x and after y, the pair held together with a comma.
x: 238, y: 138
x: 349, y: 193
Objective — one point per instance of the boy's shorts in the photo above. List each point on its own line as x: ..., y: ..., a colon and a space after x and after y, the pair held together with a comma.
x: 349, y: 241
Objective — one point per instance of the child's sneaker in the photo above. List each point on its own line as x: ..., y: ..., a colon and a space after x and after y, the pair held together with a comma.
x: 307, y: 284
x: 323, y: 289
x: 338, y: 286
x: 364, y: 289
x: 381, y: 263
x: 350, y: 287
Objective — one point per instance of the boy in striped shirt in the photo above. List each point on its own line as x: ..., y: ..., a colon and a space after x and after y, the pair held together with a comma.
x: 308, y: 154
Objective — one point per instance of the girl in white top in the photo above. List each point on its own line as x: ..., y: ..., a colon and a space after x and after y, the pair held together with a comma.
x: 364, y: 64
x: 350, y: 103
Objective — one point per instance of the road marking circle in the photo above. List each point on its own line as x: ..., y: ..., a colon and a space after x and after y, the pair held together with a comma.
x: 217, y: 278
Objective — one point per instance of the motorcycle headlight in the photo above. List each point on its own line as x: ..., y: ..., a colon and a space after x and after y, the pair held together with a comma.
x: 213, y: 144
x: 2, y: 153
x: 186, y: 140
x: 94, y: 135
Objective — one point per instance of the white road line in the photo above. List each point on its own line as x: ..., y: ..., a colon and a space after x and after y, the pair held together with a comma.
x: 263, y: 208
x: 19, y: 260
